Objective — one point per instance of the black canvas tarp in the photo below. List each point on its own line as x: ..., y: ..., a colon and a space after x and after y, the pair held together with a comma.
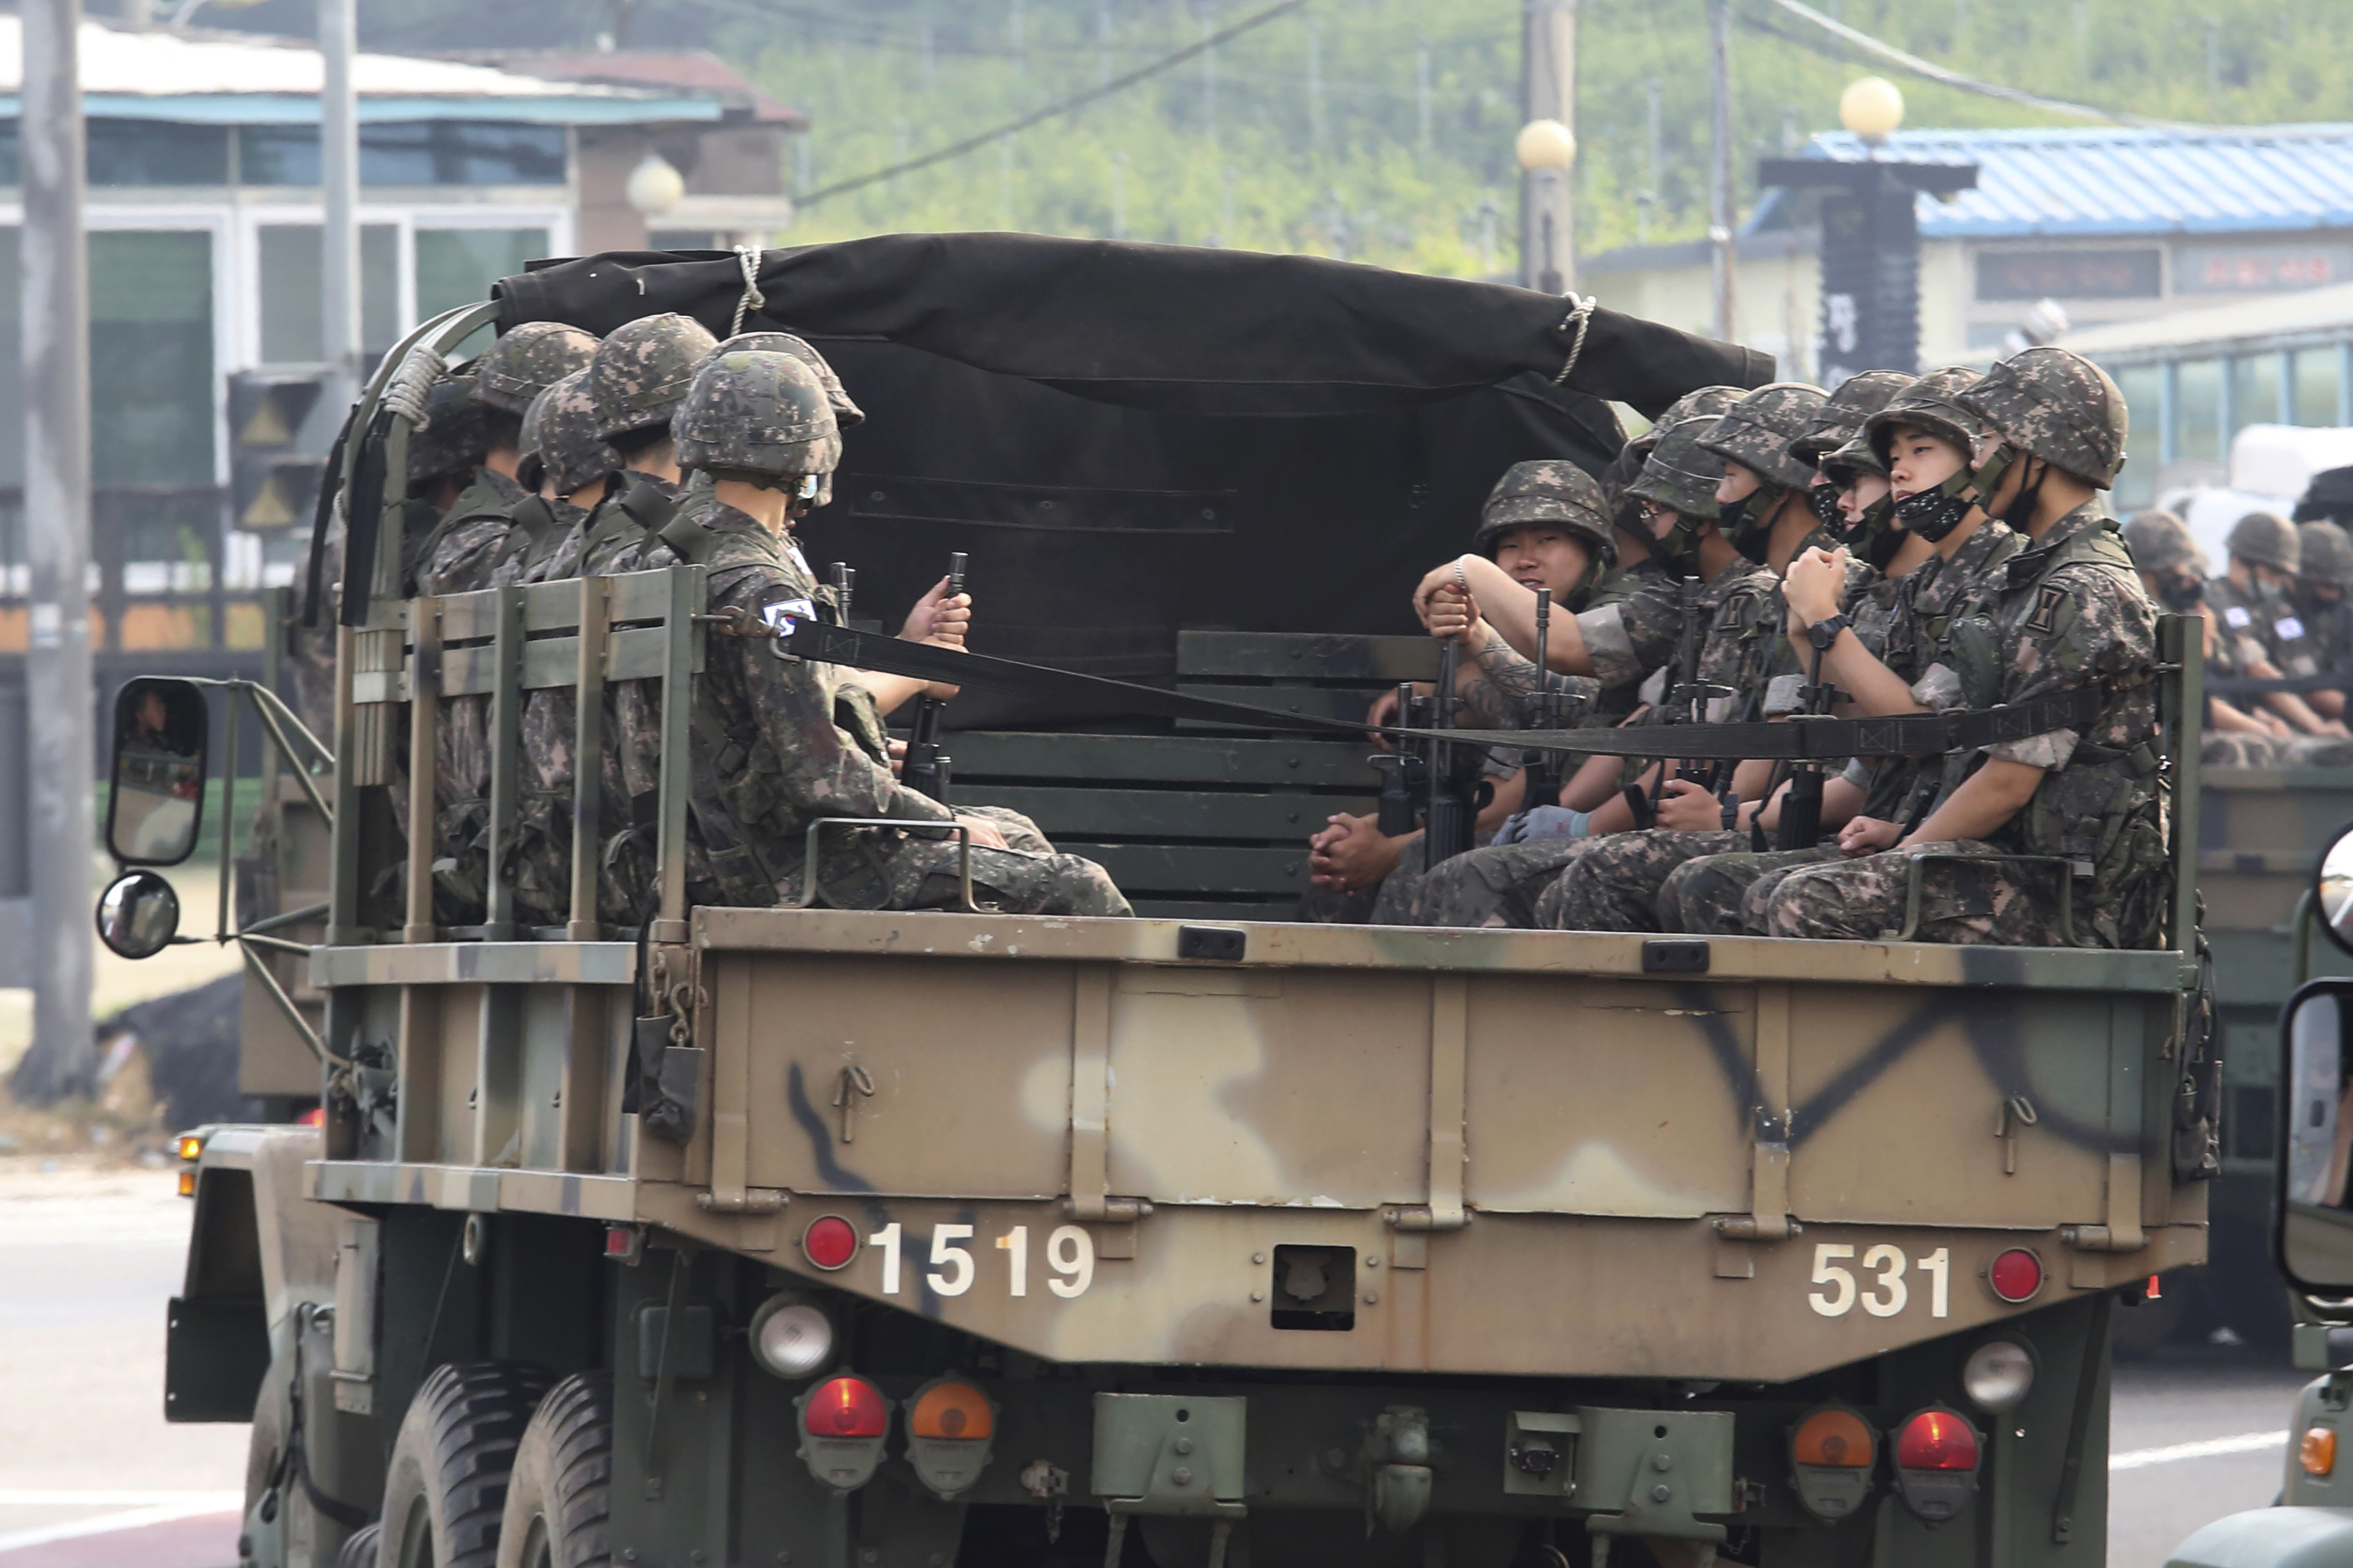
x: 1129, y: 439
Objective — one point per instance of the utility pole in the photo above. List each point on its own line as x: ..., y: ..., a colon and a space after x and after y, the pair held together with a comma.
x: 1719, y: 173
x: 63, y: 1061
x: 1547, y: 91
x: 339, y: 180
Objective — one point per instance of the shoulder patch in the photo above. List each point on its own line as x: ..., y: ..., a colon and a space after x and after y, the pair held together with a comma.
x: 2238, y: 617
x: 2048, y: 598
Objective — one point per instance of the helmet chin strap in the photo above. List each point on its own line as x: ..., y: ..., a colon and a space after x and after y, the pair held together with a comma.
x: 2020, y: 513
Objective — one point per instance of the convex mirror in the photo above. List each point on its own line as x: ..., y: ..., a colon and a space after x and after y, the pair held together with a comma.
x: 157, y: 803
x: 138, y: 915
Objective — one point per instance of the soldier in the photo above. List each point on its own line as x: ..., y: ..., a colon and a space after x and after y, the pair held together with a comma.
x: 780, y: 744
x: 1921, y: 438
x: 465, y: 547
x: 1500, y: 885
x: 2173, y: 572
x: 2324, y: 571
x: 1838, y: 424
x: 636, y: 382
x: 1765, y: 495
x: 2068, y: 613
x: 2252, y: 599
x: 1546, y: 526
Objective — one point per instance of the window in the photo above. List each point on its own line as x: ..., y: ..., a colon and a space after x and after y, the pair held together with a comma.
x: 151, y: 357
x: 2198, y: 410
x: 2317, y: 373
x: 2254, y: 391
x: 413, y: 152
x: 157, y: 152
x: 290, y: 264
x: 2069, y: 274
x: 2141, y: 384
x: 457, y: 266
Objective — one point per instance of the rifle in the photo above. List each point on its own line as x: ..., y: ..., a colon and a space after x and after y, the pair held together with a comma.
x: 845, y: 581
x: 1542, y: 768
x: 1802, y: 808
x: 1686, y: 703
x: 927, y: 766
x: 1451, y: 819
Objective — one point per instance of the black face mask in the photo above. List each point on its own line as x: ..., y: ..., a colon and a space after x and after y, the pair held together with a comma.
x: 1933, y: 514
x: 1743, y: 521
x: 1822, y: 501
x: 2180, y: 592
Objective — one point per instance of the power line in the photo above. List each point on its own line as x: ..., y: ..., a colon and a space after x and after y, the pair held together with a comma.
x: 1053, y: 111
x: 1953, y: 78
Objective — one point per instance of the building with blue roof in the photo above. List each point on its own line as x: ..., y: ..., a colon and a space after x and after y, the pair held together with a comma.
x: 2114, y: 225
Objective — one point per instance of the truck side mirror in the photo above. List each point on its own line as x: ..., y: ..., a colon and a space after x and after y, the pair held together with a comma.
x: 2332, y: 889
x: 138, y: 915
x: 2315, y: 1229
x: 162, y: 730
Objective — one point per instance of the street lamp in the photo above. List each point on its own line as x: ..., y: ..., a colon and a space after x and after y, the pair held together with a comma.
x: 1547, y: 150
x: 1872, y: 107
x: 655, y: 186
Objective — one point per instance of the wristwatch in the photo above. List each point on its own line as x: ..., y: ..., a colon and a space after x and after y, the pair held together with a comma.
x: 1821, y: 634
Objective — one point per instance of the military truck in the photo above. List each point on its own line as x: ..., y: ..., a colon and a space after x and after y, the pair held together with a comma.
x: 1194, y: 1238
x: 2258, y: 835
x: 2310, y: 1525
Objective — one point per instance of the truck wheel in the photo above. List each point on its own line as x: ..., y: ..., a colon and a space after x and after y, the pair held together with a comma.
x: 559, y: 1504
x: 359, y: 1549
x: 446, y: 1488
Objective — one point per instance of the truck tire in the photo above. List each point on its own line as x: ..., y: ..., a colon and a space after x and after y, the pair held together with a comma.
x: 446, y: 1488
x: 559, y: 1504
x: 359, y: 1549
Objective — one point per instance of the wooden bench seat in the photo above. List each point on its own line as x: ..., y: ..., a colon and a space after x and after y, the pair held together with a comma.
x: 1192, y: 821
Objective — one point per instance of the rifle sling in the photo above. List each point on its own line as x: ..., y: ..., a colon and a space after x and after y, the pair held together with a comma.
x: 1800, y: 738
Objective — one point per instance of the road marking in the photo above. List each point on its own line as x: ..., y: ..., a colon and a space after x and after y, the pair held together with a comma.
x: 107, y: 1523
x: 2207, y: 1449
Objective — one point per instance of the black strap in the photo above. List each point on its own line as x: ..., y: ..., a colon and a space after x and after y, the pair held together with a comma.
x: 1800, y: 738
x: 322, y: 517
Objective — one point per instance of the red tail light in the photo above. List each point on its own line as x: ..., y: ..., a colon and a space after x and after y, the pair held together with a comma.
x: 2016, y: 1276
x: 846, y: 1407
x: 829, y: 1242
x: 1936, y: 1464
x: 1936, y: 1440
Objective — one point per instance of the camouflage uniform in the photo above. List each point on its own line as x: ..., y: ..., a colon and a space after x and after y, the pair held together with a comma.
x: 780, y: 743
x: 2070, y: 613
x: 2325, y: 562
x: 1718, y: 894
x: 2261, y: 620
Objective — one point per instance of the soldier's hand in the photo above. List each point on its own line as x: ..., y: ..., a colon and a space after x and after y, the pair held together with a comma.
x: 1452, y: 613
x: 1685, y: 807
x: 1353, y: 855
x: 1448, y: 577
x: 984, y: 834
x: 898, y: 750
x: 939, y: 617
x: 1868, y: 836
x: 1816, y: 580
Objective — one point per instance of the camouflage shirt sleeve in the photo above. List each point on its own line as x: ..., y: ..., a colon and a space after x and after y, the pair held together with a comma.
x: 462, y: 559
x: 2084, y: 623
x: 1629, y: 640
x: 814, y: 766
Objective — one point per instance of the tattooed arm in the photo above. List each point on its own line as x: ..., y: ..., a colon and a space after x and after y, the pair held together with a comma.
x: 1499, y: 688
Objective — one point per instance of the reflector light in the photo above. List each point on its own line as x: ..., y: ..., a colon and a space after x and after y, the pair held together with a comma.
x: 1834, y: 1437
x: 952, y: 1410
x: 188, y: 1183
x: 190, y: 1146
x: 314, y: 1117
x: 2016, y: 1276
x: 846, y: 1407
x: 1936, y: 1440
x: 830, y: 1242
x: 2317, y: 1451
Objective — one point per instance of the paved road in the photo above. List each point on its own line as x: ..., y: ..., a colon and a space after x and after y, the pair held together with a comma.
x: 96, y: 1478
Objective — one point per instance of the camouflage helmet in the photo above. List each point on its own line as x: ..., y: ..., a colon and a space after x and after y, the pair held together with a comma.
x: 1679, y: 474
x: 527, y: 362
x: 2160, y: 542
x: 756, y: 414
x: 1839, y: 464
x: 455, y: 436
x: 1704, y: 404
x: 1929, y: 402
x: 1554, y: 492
x: 2323, y: 553
x: 2057, y: 406
x: 845, y: 413
x: 561, y: 434
x: 1840, y: 419
x: 2266, y: 538
x: 641, y: 373
x: 1756, y: 432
